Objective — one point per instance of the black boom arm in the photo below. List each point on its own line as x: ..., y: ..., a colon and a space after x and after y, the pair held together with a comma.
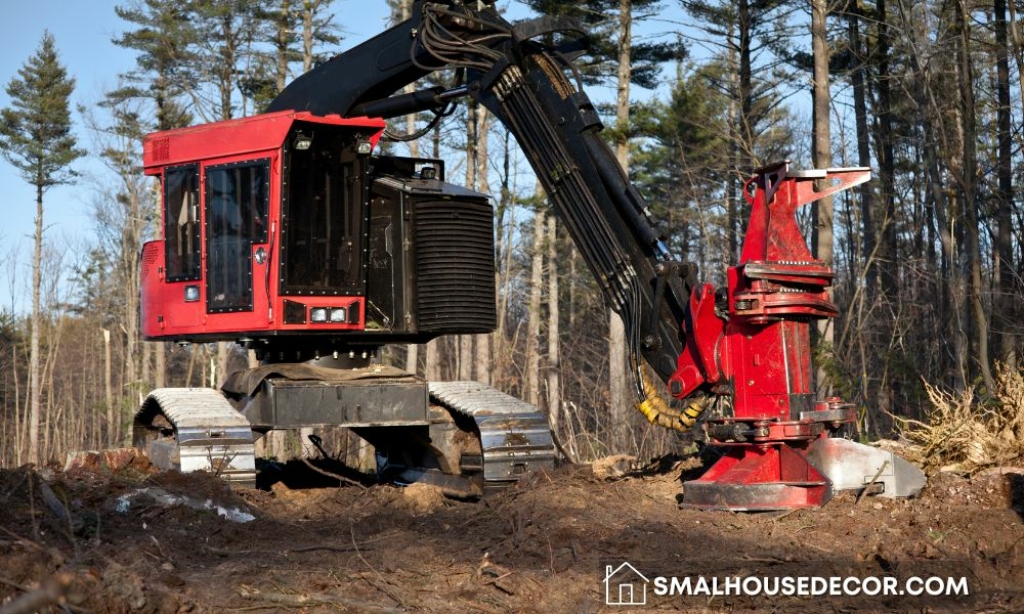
x: 524, y: 83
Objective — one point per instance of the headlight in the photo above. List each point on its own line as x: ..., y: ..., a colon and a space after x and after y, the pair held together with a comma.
x: 318, y: 314
x: 338, y: 315
x: 191, y: 294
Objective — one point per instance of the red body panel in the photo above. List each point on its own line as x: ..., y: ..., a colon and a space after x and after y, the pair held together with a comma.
x: 245, y: 137
x: 165, y: 312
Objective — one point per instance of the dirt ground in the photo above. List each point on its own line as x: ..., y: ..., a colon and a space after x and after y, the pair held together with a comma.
x: 130, y: 542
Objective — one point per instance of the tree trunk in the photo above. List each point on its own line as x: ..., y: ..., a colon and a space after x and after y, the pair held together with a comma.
x: 145, y: 366
x: 619, y: 406
x: 506, y: 227
x: 734, y: 154
x: 969, y: 183
x: 822, y: 152
x: 554, y: 361
x: 1018, y: 45
x: 226, y: 83
x: 573, y: 261
x: 949, y: 275
x: 412, y: 358
x: 223, y: 356
x: 432, y: 361
x: 951, y: 281
x: 887, y: 249
x: 308, y: 9
x: 281, y: 44
x: 412, y: 351
x: 467, y: 358
x: 860, y: 107
x: 108, y: 387
x: 160, y: 351
x: 21, y: 437
x: 534, y: 315
x: 484, y: 356
x: 35, y: 404
x: 1007, y: 286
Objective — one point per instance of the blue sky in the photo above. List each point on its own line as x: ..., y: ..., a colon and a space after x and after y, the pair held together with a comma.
x: 83, y: 31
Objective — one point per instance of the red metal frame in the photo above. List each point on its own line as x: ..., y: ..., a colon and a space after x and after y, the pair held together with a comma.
x: 165, y: 312
x: 761, y: 353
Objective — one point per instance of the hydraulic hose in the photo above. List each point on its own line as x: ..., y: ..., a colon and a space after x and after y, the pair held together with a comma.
x: 657, y: 411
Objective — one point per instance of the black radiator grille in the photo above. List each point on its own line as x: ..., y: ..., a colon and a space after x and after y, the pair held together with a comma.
x: 455, y: 266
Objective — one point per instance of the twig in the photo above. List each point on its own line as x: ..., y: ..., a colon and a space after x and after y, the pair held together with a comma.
x: 158, y: 547
x: 1012, y: 547
x: 230, y: 552
x: 869, y: 484
x: 50, y: 593
x: 782, y: 515
x: 352, y: 532
x: 14, y: 584
x: 32, y: 506
x: 57, y: 508
x: 477, y: 606
x: 365, y: 546
x: 330, y: 474
x: 324, y: 547
x: 15, y: 487
x: 770, y: 559
x: 21, y: 539
x: 495, y: 579
x: 308, y: 599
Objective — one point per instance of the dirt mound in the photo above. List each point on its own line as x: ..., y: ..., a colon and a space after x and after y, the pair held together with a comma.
x: 545, y: 545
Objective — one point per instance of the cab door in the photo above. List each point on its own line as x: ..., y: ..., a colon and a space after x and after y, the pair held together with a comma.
x: 237, y: 198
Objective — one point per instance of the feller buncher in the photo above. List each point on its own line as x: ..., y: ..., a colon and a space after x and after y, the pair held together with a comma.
x: 286, y: 233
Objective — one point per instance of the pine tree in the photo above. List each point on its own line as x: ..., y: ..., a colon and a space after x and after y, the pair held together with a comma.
x: 683, y: 171
x: 162, y: 35
x: 36, y: 138
x: 745, y: 33
x: 286, y: 32
x: 601, y: 19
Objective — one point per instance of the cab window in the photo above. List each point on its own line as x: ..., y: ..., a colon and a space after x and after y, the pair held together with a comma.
x: 322, y: 251
x: 181, y: 223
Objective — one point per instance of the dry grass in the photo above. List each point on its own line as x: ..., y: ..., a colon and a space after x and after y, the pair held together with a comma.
x: 965, y: 432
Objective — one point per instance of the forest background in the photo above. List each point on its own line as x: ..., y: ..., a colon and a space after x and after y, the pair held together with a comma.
x: 695, y: 94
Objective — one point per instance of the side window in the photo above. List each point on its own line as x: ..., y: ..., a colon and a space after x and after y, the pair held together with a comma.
x: 237, y: 198
x: 181, y: 223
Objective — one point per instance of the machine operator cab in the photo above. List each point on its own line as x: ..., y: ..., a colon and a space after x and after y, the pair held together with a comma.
x: 283, y: 232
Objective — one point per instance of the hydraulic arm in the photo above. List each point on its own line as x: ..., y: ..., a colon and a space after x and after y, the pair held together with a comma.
x: 525, y: 84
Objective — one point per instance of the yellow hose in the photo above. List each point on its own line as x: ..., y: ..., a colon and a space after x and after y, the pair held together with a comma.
x: 657, y: 411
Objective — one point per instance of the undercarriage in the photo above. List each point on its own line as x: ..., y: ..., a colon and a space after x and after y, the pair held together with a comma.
x: 464, y: 437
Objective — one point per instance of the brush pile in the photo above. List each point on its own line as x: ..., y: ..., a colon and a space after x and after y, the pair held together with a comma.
x: 967, y: 431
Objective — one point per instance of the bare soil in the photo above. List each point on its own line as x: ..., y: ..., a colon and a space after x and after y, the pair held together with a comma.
x: 114, y: 543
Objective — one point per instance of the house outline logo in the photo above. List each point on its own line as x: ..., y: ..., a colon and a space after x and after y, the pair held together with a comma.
x: 621, y: 585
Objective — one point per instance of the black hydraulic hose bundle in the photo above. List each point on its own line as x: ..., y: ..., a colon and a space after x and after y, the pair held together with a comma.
x: 489, y: 50
x: 575, y: 204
